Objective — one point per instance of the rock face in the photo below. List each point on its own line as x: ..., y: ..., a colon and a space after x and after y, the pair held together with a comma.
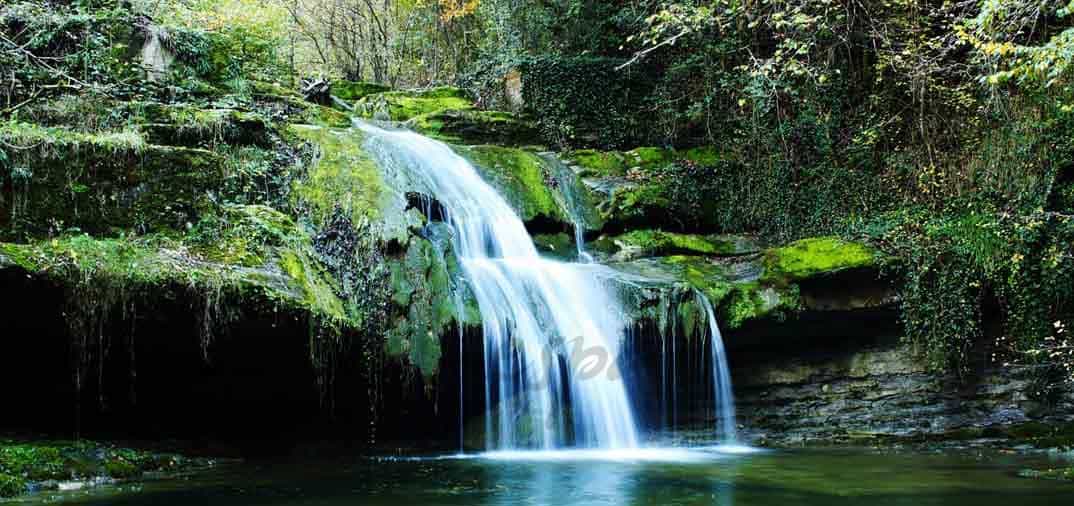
x: 847, y: 377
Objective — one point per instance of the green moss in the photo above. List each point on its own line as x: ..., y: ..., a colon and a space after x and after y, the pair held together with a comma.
x: 647, y: 157
x: 155, y: 262
x: 23, y: 463
x: 640, y: 205
x: 121, y: 469
x: 135, y: 260
x: 703, y: 274
x: 100, y: 182
x: 342, y: 177
x: 296, y: 110
x: 705, y: 155
x: 658, y: 243
x: 355, y: 90
x: 736, y: 301
x: 323, y: 116
x: 594, y: 163
x: 520, y: 176
x: 242, y: 235
x: 810, y: 257
x: 315, y: 285
x: 405, y: 105
x: 559, y: 245
x: 476, y: 127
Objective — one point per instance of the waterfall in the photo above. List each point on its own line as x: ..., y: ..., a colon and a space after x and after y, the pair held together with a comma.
x: 721, y: 376
x: 552, y: 331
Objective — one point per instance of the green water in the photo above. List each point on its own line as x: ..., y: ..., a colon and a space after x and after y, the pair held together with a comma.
x: 813, y: 477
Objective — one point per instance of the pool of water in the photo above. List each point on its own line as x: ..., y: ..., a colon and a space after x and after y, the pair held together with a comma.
x: 720, y: 476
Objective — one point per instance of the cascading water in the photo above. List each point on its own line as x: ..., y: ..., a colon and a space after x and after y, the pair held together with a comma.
x: 552, y: 330
x: 721, y: 376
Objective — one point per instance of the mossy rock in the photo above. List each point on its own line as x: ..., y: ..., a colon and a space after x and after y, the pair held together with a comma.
x: 179, y: 124
x: 522, y: 177
x: 343, y: 176
x: 732, y: 285
x: 102, y: 182
x: 24, y: 463
x: 596, y: 163
x: 642, y: 243
x: 287, y: 277
x: 292, y: 108
x: 356, y: 90
x: 212, y: 127
x: 476, y: 127
x: 816, y: 256
x: 637, y: 205
x: 409, y: 104
x: 559, y: 245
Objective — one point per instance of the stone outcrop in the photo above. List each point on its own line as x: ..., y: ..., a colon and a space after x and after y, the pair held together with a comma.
x: 862, y: 385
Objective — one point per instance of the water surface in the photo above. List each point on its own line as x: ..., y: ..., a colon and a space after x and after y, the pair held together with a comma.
x: 681, y: 477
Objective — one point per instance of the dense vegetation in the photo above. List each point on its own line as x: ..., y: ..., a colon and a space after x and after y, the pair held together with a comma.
x: 939, y: 132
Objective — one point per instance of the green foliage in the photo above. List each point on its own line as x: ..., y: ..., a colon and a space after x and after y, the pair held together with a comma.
x: 422, y: 294
x: 953, y: 266
x: 1030, y: 58
x: 11, y: 486
x: 585, y: 101
x: 66, y: 45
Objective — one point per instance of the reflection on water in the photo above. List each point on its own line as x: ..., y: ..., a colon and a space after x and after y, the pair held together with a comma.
x: 713, y: 476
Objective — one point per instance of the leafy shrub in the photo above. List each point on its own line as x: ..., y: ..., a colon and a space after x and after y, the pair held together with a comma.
x: 585, y: 101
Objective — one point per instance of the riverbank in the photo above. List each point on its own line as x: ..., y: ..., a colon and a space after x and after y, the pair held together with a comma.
x: 33, y: 465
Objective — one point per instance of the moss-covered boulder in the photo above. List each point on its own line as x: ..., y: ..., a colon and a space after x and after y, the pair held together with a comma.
x: 61, y: 179
x: 525, y: 181
x: 476, y: 127
x: 403, y: 105
x: 646, y: 243
x: 341, y: 176
x: 356, y: 90
x: 238, y: 121
x: 283, y: 104
x: 208, y: 127
x: 816, y: 256
x: 643, y: 186
x: 748, y: 285
x: 558, y: 245
x: 257, y: 255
